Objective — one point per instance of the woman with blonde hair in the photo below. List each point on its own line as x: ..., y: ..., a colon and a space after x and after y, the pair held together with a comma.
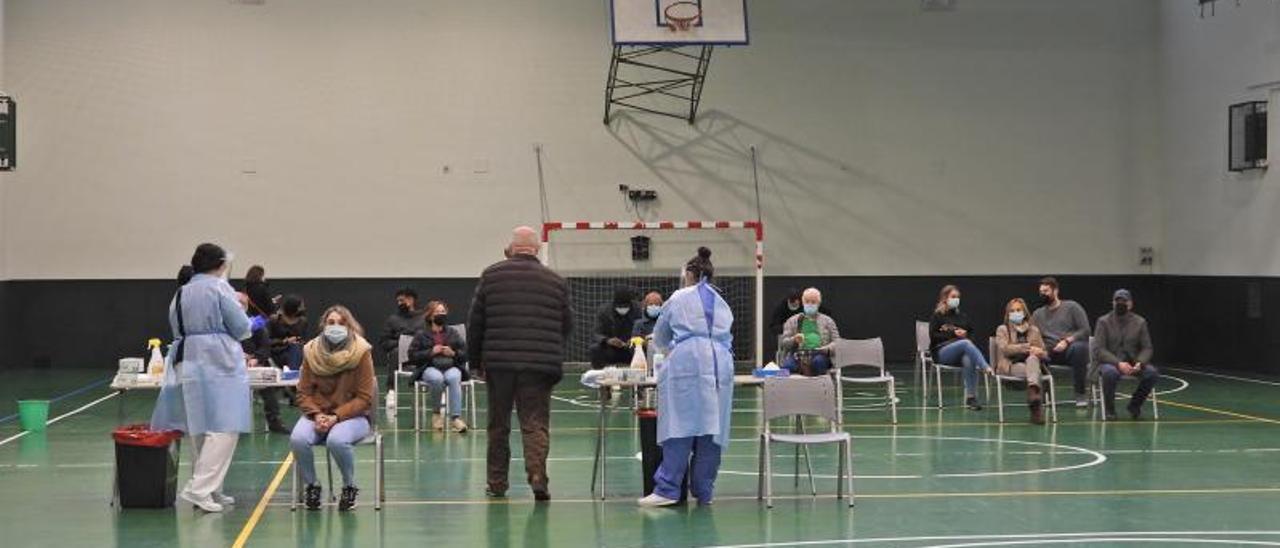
x: 1019, y: 351
x: 335, y: 394
x: 949, y: 329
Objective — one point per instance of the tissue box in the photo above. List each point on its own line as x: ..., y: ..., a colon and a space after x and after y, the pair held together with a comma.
x: 771, y: 373
x: 263, y: 375
x: 131, y: 365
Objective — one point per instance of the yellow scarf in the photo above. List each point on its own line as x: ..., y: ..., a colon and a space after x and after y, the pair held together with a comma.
x: 325, y: 362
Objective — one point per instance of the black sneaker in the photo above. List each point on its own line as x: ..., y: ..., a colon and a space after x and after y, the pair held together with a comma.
x: 348, y: 499
x: 311, y: 497
x: 1135, y: 411
x: 493, y: 493
x: 278, y: 427
x: 972, y: 403
x: 541, y: 495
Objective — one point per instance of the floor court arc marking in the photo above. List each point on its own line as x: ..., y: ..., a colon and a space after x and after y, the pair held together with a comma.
x: 1222, y: 376
x: 1098, y: 459
x: 1030, y: 537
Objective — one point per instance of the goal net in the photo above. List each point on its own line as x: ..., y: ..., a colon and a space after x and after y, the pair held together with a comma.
x: 596, y: 259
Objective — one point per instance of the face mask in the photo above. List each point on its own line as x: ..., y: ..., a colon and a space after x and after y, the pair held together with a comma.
x: 622, y: 310
x: 1121, y: 308
x: 810, y: 309
x: 404, y: 307
x: 440, y: 319
x: 335, y: 334
x: 1016, y: 317
x: 953, y: 303
x: 653, y: 310
x: 794, y: 306
x: 1046, y: 299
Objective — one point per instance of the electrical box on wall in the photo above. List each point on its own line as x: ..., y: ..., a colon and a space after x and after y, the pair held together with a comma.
x: 1247, y: 136
x: 8, y: 133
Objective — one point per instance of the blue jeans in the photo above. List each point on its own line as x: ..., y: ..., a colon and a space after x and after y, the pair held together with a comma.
x: 339, y: 440
x: 437, y: 381
x: 819, y: 363
x: 966, y: 355
x: 705, y: 465
x: 1147, y: 378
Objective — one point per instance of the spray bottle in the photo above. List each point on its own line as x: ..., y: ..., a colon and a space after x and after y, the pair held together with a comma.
x: 155, y: 365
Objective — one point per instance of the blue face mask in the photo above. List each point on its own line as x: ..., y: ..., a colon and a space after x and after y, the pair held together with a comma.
x: 810, y: 309
x: 335, y: 334
x: 653, y: 310
x: 953, y: 303
x: 1017, y: 317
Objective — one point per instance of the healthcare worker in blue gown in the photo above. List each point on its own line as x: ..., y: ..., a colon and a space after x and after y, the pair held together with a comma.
x: 695, y: 385
x: 205, y: 391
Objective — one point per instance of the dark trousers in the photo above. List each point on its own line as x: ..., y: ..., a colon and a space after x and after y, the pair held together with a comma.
x: 530, y: 394
x: 1077, y: 356
x: 1147, y: 378
x: 270, y: 404
x: 603, y: 354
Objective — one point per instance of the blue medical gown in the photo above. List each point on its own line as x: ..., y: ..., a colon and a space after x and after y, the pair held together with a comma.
x: 695, y: 381
x: 209, y: 390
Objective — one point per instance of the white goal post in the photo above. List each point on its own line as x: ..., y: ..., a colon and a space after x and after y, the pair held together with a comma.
x: 596, y: 258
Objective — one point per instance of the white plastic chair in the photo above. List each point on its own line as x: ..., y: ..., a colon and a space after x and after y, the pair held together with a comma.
x: 866, y: 353
x: 929, y: 365
x: 1095, y: 387
x: 1045, y: 377
x: 798, y: 397
x: 379, y: 464
x: 421, y: 392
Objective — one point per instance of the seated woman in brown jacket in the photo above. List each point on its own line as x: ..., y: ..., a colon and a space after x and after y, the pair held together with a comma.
x: 1019, y: 351
x: 335, y: 394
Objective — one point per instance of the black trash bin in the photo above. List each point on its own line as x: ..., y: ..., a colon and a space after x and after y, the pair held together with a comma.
x: 651, y: 452
x: 146, y: 466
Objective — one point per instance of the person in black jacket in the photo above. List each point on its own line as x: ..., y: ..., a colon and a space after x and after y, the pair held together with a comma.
x: 261, y: 301
x: 408, y: 319
x: 287, y: 331
x: 615, y: 322
x: 949, y: 331
x: 257, y: 353
x: 520, y: 318
x: 440, y: 354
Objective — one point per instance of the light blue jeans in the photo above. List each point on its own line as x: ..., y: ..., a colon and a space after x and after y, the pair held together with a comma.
x: 339, y: 440
x: 965, y: 354
x: 452, y: 377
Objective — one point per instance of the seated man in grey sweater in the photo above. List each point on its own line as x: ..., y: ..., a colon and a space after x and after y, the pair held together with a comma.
x: 811, y: 331
x: 1124, y: 348
x: 1065, y: 328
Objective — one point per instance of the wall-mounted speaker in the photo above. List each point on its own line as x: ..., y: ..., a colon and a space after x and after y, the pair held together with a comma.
x: 1247, y: 136
x: 8, y: 133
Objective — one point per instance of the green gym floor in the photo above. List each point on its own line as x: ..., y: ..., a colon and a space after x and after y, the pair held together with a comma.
x: 1208, y: 472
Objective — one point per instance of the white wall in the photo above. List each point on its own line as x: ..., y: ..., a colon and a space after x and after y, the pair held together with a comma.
x: 1218, y: 223
x: 312, y: 135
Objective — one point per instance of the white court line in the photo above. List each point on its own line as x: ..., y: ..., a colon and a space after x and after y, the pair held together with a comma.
x: 1221, y: 376
x: 63, y: 416
x: 1033, y: 536
x: 1109, y: 540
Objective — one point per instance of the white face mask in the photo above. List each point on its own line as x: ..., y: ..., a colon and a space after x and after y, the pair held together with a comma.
x: 1016, y: 317
x: 622, y: 310
x: 953, y: 303
x: 335, y: 334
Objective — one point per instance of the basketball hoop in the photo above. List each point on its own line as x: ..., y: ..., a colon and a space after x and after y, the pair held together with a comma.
x: 682, y: 15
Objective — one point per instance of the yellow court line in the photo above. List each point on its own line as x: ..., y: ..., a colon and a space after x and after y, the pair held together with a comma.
x: 924, y: 495
x: 247, y: 530
x: 1221, y: 412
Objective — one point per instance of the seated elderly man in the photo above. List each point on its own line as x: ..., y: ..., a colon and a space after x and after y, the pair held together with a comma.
x: 808, y: 334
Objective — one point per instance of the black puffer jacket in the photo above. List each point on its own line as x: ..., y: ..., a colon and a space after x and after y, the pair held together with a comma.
x: 520, y: 318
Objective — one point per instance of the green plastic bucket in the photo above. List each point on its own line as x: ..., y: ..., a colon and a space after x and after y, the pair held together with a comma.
x: 33, y: 414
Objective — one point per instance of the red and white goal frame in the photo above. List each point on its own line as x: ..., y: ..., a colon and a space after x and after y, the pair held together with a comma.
x: 755, y: 227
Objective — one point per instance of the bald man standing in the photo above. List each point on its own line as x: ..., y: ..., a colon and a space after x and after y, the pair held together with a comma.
x: 519, y: 321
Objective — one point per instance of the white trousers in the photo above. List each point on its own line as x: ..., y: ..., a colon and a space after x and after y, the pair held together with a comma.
x: 213, y: 452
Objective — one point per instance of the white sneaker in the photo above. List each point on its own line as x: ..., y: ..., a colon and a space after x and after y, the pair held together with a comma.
x: 225, y: 500
x: 206, y: 503
x: 656, y: 500
x: 391, y: 399
x: 1082, y: 400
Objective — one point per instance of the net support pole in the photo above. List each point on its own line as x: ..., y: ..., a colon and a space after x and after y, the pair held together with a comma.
x: 759, y: 300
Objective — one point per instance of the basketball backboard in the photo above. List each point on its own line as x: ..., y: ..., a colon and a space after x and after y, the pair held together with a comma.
x: 645, y: 22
